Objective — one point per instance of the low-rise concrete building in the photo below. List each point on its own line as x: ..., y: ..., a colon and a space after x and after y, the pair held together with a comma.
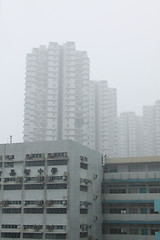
x: 50, y: 190
x: 131, y: 198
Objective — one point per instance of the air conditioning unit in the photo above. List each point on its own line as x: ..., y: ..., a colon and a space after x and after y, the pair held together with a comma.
x: 19, y: 179
x: 50, y: 155
x: 5, y: 202
x: 10, y: 157
x: 65, y: 174
x: 82, y: 158
x: 49, y: 178
x: 50, y: 227
x: 29, y: 156
x: 37, y: 227
x: 64, y: 177
x: 86, y: 181
x: 40, y: 178
x: 39, y: 202
x: 64, y: 202
x: 48, y: 202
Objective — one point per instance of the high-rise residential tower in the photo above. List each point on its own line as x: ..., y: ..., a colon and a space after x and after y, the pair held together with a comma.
x: 103, y: 133
x: 62, y: 103
x: 130, y: 135
x: 149, y: 130
x: 56, y: 94
x: 152, y: 129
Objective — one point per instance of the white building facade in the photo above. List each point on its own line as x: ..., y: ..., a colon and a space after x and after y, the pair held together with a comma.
x: 127, y: 134
x: 131, y: 202
x: 103, y: 131
x: 50, y: 190
x: 62, y: 103
x: 56, y: 93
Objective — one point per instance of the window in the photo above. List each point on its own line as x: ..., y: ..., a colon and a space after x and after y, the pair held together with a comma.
x: 83, y: 188
x: 143, y: 190
x: 10, y: 226
x: 34, y: 163
x: 83, y: 234
x: 33, y: 210
x: 11, y: 210
x: 133, y: 210
x: 12, y: 187
x: 143, y: 210
x: 153, y: 231
x: 33, y: 227
x: 9, y: 157
x: 56, y: 227
x: 154, y: 190
x: 123, y: 231
x: 133, y: 190
x: 55, y: 236
x: 118, y: 231
x: 144, y: 231
x: 10, y: 235
x: 83, y: 211
x: 117, y: 190
x: 35, y: 155
x: 8, y: 164
x: 113, y: 170
x: 34, y: 186
x: 118, y: 210
x: 56, y: 210
x: 57, y: 186
x: 84, y: 165
x: 33, y: 235
x: 57, y: 162
x: 133, y: 231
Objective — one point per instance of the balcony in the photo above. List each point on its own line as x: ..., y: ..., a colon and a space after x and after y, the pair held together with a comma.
x: 127, y: 237
x: 132, y: 218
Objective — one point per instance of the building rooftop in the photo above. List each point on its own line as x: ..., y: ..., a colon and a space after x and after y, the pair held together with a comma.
x: 132, y: 160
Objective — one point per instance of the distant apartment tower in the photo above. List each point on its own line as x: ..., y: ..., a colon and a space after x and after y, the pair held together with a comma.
x: 157, y: 124
x: 103, y: 133
x: 62, y: 103
x: 149, y: 130
x: 130, y: 135
x: 56, y: 93
x: 151, y: 116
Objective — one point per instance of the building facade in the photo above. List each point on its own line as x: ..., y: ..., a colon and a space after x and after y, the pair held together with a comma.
x: 149, y: 130
x: 151, y: 115
x: 62, y: 103
x: 56, y: 94
x: 130, y: 135
x: 130, y: 198
x: 103, y: 129
x: 50, y: 190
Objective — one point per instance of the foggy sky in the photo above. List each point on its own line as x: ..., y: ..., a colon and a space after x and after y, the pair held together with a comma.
x: 122, y: 38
